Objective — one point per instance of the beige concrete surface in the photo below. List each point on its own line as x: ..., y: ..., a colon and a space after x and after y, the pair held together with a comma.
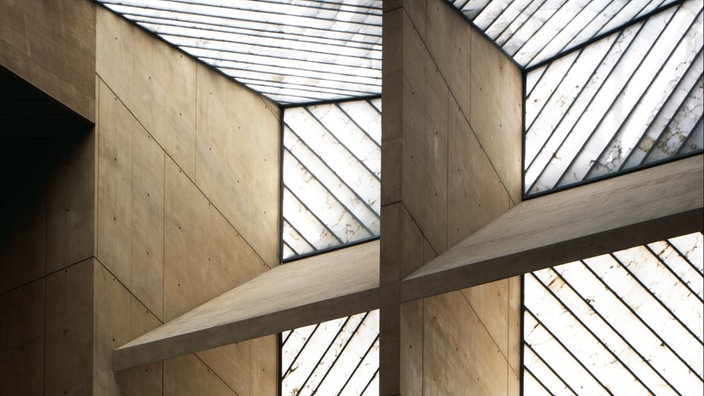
x: 68, y: 354
x: 156, y: 82
x: 204, y: 255
x: 449, y: 187
x: 496, y: 112
x: 130, y: 208
x: 51, y: 44
x: 188, y: 375
x: 308, y: 291
x: 237, y: 155
x: 22, y: 339
x: 581, y: 222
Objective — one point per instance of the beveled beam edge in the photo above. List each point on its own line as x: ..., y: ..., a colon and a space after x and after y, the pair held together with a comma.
x: 199, y: 329
x: 672, y: 193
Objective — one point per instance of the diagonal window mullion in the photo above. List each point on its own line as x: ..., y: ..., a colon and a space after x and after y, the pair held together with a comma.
x: 593, y: 96
x: 671, y: 271
x: 342, y: 180
x: 298, y: 354
x: 550, y: 368
x: 356, y: 124
x: 322, y: 356
x: 589, y: 330
x: 508, y: 24
x: 314, y: 215
x: 697, y: 126
x: 566, y: 349
x: 359, y: 363
x: 574, y: 34
x: 663, y: 132
x: 376, y: 373
x: 660, y: 302
x: 327, y: 189
x: 320, y: 122
x: 684, y: 256
x: 554, y: 91
x: 299, y: 233
x: 515, y: 52
x: 504, y: 42
x: 618, y: 333
x: 613, y: 103
x: 563, y: 117
x: 338, y: 354
x: 637, y: 316
x: 661, y: 110
x: 542, y: 385
x: 633, y: 108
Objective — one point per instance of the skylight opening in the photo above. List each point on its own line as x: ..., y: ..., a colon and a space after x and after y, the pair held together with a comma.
x: 292, y: 52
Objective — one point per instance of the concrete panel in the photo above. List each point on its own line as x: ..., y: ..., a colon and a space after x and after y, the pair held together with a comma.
x: 118, y: 318
x: 115, y: 128
x: 488, y: 370
x: 490, y: 303
x: 156, y: 82
x: 424, y: 186
x: 412, y: 348
x: 248, y: 367
x: 188, y: 375
x: 70, y: 198
x: 22, y: 340
x: 496, y: 110
x: 204, y: 255
x: 238, y: 144
x: 514, y: 383
x: 476, y: 195
x: 401, y: 244
x: 69, y: 330
x: 448, y: 41
x: 51, y: 44
x: 514, y: 324
x: 147, y: 221
x: 447, y: 352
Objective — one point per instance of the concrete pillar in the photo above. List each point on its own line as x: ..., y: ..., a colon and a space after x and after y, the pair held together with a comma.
x: 451, y: 162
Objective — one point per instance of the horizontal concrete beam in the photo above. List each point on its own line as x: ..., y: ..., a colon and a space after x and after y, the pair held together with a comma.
x: 644, y: 206
x: 304, y: 292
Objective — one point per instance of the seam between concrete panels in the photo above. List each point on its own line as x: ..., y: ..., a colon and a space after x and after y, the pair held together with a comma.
x: 128, y: 290
x: 451, y: 93
x: 485, y: 328
x: 211, y: 370
x: 46, y: 275
x: 167, y: 155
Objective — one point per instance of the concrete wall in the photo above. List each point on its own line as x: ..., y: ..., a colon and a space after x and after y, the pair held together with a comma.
x: 51, y: 44
x: 451, y: 163
x: 171, y: 199
x: 187, y: 208
x: 46, y: 208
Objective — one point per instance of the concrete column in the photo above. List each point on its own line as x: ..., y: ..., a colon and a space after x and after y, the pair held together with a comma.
x: 451, y: 163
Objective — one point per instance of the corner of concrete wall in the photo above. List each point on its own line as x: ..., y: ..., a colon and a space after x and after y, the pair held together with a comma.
x: 451, y: 146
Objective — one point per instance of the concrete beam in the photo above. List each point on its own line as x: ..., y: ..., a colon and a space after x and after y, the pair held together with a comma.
x: 660, y: 202
x: 304, y: 292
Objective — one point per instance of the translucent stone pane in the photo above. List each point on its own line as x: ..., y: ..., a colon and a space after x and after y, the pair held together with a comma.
x: 629, y: 322
x: 535, y: 31
x: 332, y: 169
x: 336, y: 357
x: 628, y: 100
